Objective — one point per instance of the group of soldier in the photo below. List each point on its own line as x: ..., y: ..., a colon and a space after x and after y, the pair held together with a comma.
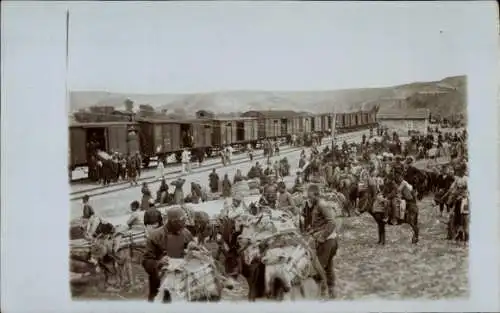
x: 391, y: 178
x: 113, y: 167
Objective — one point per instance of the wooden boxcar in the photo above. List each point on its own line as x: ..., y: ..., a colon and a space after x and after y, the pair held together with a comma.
x: 317, y: 123
x: 273, y: 124
x: 234, y: 131
x: 160, y: 137
x: 107, y: 136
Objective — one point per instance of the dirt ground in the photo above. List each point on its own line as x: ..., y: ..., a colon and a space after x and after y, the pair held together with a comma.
x: 432, y: 269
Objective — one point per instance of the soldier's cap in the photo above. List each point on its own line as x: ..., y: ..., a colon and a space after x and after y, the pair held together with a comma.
x: 175, y: 213
x: 86, y: 198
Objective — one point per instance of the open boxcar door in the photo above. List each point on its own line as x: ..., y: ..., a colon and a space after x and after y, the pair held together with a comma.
x: 77, y: 147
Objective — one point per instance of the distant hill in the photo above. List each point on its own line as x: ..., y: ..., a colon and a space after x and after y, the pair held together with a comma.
x: 442, y: 97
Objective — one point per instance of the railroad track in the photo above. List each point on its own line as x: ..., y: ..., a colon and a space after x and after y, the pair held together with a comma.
x: 77, y: 195
x: 209, y: 163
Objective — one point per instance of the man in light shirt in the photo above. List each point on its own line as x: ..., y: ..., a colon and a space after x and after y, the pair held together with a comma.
x: 185, y: 161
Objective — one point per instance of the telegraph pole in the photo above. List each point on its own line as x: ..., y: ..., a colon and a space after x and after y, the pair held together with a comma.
x: 334, y: 117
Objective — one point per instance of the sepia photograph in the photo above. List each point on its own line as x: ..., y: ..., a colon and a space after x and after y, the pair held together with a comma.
x: 264, y: 194
x: 258, y: 153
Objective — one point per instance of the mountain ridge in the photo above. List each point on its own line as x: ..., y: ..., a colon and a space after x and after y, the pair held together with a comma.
x: 444, y: 96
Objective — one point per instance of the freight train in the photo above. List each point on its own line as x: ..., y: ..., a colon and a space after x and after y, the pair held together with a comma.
x: 159, y: 136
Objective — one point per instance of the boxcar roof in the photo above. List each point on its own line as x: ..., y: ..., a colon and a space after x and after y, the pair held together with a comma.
x: 100, y: 124
x: 277, y: 114
x: 235, y: 118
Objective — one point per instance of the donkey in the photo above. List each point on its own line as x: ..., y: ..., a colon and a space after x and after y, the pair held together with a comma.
x: 118, y: 263
x: 366, y: 204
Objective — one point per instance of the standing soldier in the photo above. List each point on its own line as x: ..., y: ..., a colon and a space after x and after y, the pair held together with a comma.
x: 250, y: 152
x: 285, y: 201
x: 213, y: 179
x: 226, y: 187
x: 123, y: 168
x: 132, y: 171
x: 178, y: 192
x: 222, y: 155
x: 229, y: 154
x: 88, y: 211
x: 277, y: 147
x: 161, y: 168
x: 185, y: 161
x: 322, y: 229
x: 138, y: 163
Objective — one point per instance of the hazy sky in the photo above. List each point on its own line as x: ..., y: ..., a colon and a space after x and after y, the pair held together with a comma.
x: 190, y: 47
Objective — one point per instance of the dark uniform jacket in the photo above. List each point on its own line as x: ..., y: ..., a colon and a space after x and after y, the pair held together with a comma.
x: 162, y: 242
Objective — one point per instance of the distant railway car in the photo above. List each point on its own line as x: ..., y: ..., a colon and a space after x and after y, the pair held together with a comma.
x: 317, y: 125
x: 160, y: 137
x: 326, y: 122
x: 272, y: 124
x: 85, y: 138
x: 339, y: 120
x: 231, y: 131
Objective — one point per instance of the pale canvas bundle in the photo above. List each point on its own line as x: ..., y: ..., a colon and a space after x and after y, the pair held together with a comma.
x: 292, y: 262
x: 191, y: 278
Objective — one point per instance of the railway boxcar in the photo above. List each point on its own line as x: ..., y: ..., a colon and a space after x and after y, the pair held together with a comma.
x: 272, y: 124
x: 160, y: 137
x: 339, y: 121
x: 326, y: 122
x: 86, y: 138
x: 317, y: 123
x: 308, y: 121
x: 234, y: 131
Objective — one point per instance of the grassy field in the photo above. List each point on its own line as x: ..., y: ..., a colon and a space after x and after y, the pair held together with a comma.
x: 432, y: 269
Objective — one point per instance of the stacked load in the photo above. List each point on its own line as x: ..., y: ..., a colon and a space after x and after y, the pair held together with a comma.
x: 287, y: 254
x: 134, y: 237
x: 195, y: 277
x: 253, y: 183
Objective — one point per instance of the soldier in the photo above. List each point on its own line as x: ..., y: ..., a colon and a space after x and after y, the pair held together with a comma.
x: 298, y: 186
x: 88, y: 211
x: 178, y: 192
x: 213, y: 179
x: 322, y: 229
x: 268, y: 198
x: 158, y: 251
x: 226, y: 187
x: 285, y: 200
x: 196, y: 193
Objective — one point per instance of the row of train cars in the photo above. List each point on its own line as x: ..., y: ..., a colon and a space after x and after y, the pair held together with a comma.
x: 160, y: 137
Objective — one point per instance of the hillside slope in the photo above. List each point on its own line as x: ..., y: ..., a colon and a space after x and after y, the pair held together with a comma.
x: 441, y: 97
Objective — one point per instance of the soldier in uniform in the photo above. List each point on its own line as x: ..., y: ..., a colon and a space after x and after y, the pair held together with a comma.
x: 226, y: 187
x: 169, y: 241
x: 213, y: 179
x: 269, y: 197
x: 178, y: 192
x: 88, y: 211
x: 285, y: 200
x: 322, y: 228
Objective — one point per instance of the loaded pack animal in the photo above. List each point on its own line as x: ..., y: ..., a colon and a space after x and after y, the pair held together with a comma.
x: 418, y: 179
x: 262, y: 283
x: 377, y: 201
x: 104, y: 253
